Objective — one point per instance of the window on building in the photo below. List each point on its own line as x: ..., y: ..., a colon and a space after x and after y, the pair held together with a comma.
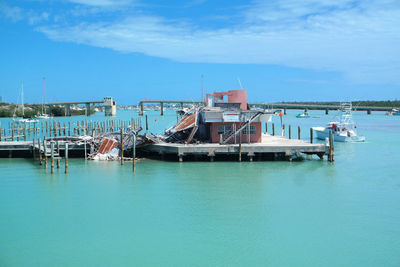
x: 252, y: 130
x: 224, y: 130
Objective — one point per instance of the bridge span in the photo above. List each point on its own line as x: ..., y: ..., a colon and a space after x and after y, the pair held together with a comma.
x: 110, y: 106
x: 264, y: 105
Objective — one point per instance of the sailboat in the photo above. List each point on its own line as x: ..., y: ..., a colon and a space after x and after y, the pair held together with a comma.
x: 25, y: 119
x: 343, y: 128
x: 43, y: 115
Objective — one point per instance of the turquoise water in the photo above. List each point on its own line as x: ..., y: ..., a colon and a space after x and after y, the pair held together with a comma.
x: 309, y: 213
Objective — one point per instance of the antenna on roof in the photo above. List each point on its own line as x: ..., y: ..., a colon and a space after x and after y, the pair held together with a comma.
x: 241, y: 87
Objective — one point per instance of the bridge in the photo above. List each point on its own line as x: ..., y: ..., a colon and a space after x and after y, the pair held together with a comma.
x: 283, y: 106
x: 327, y: 108
x: 162, y: 102
x: 110, y: 108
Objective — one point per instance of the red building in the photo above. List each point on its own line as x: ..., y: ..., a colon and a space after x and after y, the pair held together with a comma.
x: 226, y: 118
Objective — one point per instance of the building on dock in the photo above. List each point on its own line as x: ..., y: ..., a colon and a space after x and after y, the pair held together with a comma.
x: 225, y: 119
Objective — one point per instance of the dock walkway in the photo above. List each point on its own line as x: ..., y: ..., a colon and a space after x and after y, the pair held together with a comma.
x: 272, y: 146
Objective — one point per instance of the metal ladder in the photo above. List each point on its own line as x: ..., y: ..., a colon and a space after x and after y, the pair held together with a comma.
x: 242, y: 127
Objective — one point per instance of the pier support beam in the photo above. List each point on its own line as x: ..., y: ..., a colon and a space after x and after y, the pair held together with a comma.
x: 180, y: 156
x: 67, y: 110
x: 141, y: 109
x: 162, y: 109
x: 87, y: 109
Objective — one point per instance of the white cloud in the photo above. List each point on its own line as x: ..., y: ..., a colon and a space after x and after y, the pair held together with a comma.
x: 101, y: 3
x: 360, y: 40
x: 12, y: 13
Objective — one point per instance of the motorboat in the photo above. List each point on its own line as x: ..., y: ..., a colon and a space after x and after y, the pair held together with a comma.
x: 394, y: 112
x: 43, y: 116
x: 343, y: 127
x: 303, y: 115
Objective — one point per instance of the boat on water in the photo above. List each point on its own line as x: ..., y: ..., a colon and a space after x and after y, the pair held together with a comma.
x: 25, y: 119
x: 343, y: 127
x: 303, y: 115
x: 43, y: 114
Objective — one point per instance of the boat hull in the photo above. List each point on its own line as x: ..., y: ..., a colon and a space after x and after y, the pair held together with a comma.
x: 322, y: 134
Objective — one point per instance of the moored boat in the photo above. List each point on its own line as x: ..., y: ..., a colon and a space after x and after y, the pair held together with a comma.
x: 343, y: 129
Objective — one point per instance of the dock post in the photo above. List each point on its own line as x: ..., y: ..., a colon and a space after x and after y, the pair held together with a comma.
x: 58, y: 152
x: 331, y: 156
x: 311, y: 135
x: 40, y: 153
x: 162, y: 108
x: 283, y: 130
x: 133, y: 152
x: 147, y: 123
x: 298, y: 132
x: 45, y: 151
x: 52, y: 156
x: 266, y: 127
x: 326, y: 111
x: 240, y: 147
x: 34, y: 148
x: 66, y: 157
x: 122, y: 147
x: 284, y: 111
x: 290, y: 131
x: 273, y: 129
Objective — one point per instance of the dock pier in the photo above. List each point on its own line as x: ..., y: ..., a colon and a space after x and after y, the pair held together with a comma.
x: 271, y: 148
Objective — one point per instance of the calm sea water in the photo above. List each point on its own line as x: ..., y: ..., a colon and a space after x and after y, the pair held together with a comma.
x: 309, y: 213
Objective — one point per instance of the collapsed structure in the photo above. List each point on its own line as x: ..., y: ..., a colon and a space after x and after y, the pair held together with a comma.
x: 226, y: 119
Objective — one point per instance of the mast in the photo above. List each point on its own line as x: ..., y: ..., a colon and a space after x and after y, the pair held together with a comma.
x: 22, y: 99
x: 44, y: 95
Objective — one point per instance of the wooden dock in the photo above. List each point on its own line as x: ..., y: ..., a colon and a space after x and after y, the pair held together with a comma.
x: 271, y: 148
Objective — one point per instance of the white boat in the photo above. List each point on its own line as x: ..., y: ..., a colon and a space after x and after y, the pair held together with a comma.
x: 25, y: 119
x: 43, y: 115
x: 303, y: 115
x: 394, y: 112
x: 343, y: 129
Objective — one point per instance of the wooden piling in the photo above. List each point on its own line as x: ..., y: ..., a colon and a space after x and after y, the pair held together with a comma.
x: 45, y: 151
x: 240, y: 147
x: 52, y: 156
x: 298, y: 132
x: 311, y: 135
x: 133, y: 151
x: 266, y: 127
x: 331, y: 156
x: 290, y: 131
x: 122, y: 146
x: 66, y: 157
x: 273, y: 129
x: 34, y: 148
x: 147, y: 123
x: 40, y: 152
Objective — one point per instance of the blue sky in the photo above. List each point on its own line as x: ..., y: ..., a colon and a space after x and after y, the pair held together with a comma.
x: 282, y: 50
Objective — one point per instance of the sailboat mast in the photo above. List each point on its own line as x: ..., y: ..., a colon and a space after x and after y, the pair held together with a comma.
x: 44, y: 94
x: 22, y: 99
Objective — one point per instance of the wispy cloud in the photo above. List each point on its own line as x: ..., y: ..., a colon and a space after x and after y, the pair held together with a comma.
x: 360, y: 39
x: 9, y: 12
x: 102, y: 3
